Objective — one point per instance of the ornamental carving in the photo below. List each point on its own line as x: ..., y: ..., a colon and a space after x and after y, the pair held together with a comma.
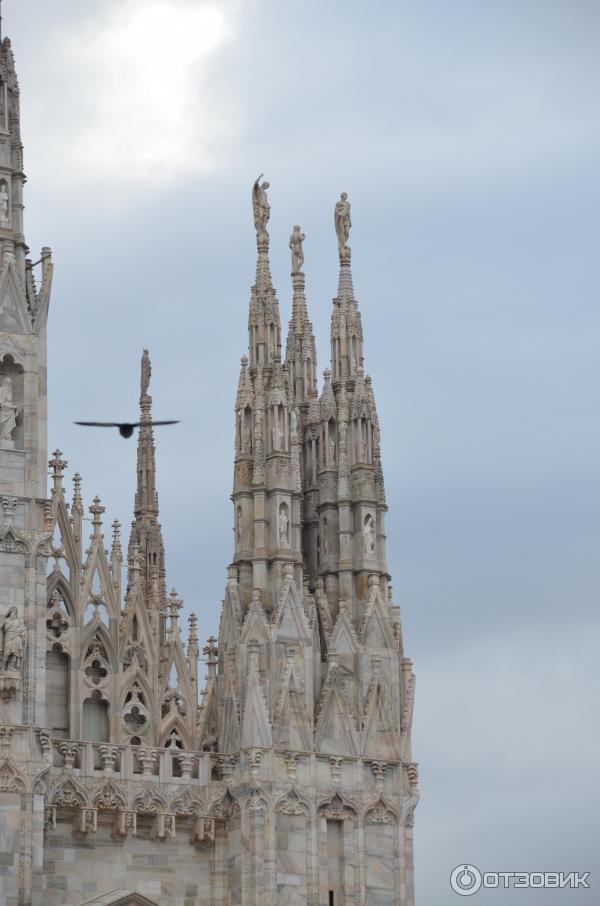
x: 126, y: 824
x: 204, y: 830
x: 69, y: 794
x: 109, y: 797
x: 380, y: 814
x: 12, y: 780
x: 293, y: 805
x: 337, y: 809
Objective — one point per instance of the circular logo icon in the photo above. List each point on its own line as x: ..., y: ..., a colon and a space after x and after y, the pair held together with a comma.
x: 465, y: 880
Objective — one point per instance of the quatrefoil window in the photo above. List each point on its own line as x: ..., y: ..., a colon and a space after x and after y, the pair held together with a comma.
x: 96, y: 671
x: 135, y: 720
x: 57, y: 624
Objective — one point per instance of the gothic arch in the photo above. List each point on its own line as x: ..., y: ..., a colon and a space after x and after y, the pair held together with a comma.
x: 109, y: 797
x: 97, y: 627
x: 338, y: 807
x: 295, y: 803
x: 225, y: 806
x: 380, y: 811
x: 69, y: 792
x: 149, y: 801
x: 174, y: 723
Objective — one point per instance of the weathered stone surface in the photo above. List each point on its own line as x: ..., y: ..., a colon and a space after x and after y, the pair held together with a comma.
x: 293, y: 779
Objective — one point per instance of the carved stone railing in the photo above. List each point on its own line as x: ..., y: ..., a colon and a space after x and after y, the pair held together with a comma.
x: 125, y: 762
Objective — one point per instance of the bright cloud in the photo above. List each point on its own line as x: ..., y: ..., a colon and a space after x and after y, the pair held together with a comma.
x: 138, y: 77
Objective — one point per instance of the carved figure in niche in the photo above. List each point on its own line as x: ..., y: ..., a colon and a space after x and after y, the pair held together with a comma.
x: 318, y: 549
x: 238, y: 524
x: 247, y: 440
x: 331, y: 450
x: 283, y: 527
x: 325, y: 541
x: 12, y: 634
x: 8, y: 410
x: 296, y: 240
x: 293, y: 423
x: 277, y: 436
x: 363, y: 450
x: 369, y: 535
x: 4, y: 201
x: 343, y: 223
x: 261, y: 207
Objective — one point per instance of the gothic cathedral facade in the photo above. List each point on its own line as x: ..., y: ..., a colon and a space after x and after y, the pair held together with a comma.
x: 289, y: 780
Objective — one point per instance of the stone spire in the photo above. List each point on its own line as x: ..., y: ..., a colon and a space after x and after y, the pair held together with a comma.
x: 264, y: 324
x: 301, y: 354
x: 146, y: 531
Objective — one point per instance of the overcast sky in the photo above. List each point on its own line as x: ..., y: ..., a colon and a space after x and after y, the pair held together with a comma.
x: 468, y: 138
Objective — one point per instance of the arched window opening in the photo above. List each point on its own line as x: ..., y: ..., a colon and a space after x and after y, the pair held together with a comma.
x: 95, y: 718
x: 57, y: 691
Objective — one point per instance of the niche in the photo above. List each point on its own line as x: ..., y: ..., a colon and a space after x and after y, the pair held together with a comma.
x: 11, y: 392
x: 57, y: 692
x: 95, y: 719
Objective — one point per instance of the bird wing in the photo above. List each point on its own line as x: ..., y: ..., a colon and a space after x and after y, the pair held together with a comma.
x: 151, y: 424
x: 98, y: 424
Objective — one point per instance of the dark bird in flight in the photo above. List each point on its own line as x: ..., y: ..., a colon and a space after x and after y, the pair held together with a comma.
x: 126, y: 428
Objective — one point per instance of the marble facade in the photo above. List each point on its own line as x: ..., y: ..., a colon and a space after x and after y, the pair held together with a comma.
x: 292, y: 782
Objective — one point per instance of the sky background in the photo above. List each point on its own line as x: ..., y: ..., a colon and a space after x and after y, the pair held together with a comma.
x: 468, y: 138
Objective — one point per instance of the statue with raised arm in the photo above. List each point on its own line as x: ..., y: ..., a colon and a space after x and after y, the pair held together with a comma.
x: 8, y: 410
x: 341, y: 218
x: 296, y: 240
x: 261, y: 207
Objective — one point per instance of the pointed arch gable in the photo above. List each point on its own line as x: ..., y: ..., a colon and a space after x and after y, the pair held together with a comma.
x: 376, y: 629
x: 174, y: 722
x: 14, y: 315
x: 378, y: 810
x: 69, y: 792
x: 98, y: 563
x: 225, y: 805
x: 293, y: 802
x: 379, y: 734
x: 343, y: 638
x: 335, y: 731
x: 290, y: 621
x: 63, y: 523
x: 109, y: 797
x: 149, y: 800
x: 120, y: 897
x: 97, y: 627
x: 59, y: 582
x: 255, y: 626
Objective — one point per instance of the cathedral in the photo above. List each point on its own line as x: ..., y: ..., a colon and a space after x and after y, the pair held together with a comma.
x: 287, y: 779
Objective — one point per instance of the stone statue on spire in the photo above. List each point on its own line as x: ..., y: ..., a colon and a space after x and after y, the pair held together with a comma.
x: 146, y: 372
x: 341, y: 218
x: 261, y: 208
x: 296, y: 240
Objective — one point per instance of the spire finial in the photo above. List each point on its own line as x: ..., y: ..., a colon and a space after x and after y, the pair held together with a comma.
x: 211, y: 651
x: 116, y: 540
x: 296, y: 240
x: 96, y: 509
x: 146, y: 373
x: 175, y: 605
x: 261, y: 210
x: 341, y: 219
x: 58, y: 466
x: 77, y: 500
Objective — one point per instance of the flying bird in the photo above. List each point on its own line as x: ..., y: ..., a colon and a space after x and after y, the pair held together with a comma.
x: 126, y: 428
